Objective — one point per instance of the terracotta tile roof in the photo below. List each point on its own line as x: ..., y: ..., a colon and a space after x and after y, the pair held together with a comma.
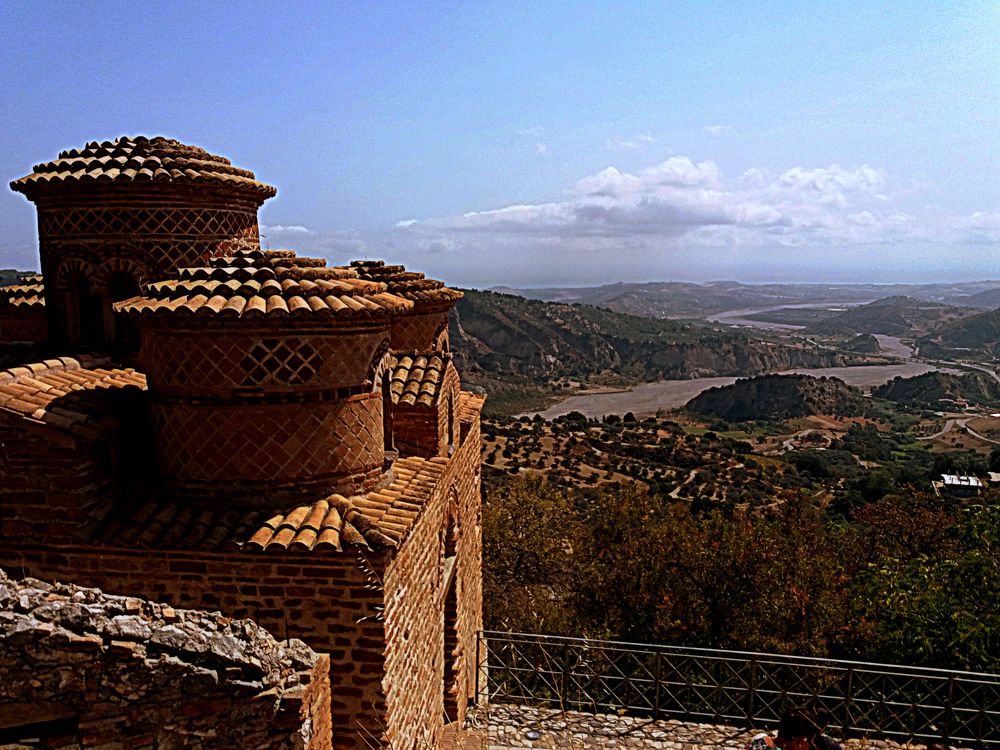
x: 376, y: 520
x: 249, y: 282
x: 417, y: 377
x: 75, y: 395
x: 29, y: 292
x: 139, y: 159
x: 409, y: 284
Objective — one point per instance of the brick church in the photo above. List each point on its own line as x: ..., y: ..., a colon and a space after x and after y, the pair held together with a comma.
x: 188, y: 418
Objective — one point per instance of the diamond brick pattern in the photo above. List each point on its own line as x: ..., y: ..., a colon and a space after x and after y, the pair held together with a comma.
x: 174, y: 222
x: 219, y: 363
x: 418, y: 332
x: 268, y: 443
x: 290, y: 361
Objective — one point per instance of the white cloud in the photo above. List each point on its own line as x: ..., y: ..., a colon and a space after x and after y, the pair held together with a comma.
x: 630, y: 144
x: 285, y: 229
x: 679, y: 196
x: 719, y: 130
x: 542, y: 149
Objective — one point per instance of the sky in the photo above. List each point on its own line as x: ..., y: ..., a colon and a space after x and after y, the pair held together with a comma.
x: 545, y: 143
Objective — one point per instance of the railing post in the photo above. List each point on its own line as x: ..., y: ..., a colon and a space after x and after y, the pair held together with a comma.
x: 752, y: 692
x: 658, y: 679
x: 479, y: 661
x: 949, y: 709
x: 849, y: 698
x: 564, y: 677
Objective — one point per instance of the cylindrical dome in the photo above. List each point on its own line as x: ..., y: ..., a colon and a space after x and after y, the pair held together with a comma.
x: 116, y: 214
x: 265, y: 376
x: 425, y: 326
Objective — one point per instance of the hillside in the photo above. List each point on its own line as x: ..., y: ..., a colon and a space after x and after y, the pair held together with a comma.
x: 975, y: 337
x: 986, y: 300
x: 660, y: 299
x: 499, y: 340
x: 929, y: 389
x: 892, y: 316
x: 776, y: 397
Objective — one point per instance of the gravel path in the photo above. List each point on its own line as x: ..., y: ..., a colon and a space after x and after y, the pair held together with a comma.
x: 509, y: 727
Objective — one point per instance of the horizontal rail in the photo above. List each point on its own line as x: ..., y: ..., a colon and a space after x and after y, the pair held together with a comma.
x: 710, y: 685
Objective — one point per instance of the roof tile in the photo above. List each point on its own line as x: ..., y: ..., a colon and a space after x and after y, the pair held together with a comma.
x: 250, y: 282
x: 376, y: 520
x: 138, y: 159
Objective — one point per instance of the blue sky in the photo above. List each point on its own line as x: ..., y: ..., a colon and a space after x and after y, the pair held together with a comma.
x: 550, y: 143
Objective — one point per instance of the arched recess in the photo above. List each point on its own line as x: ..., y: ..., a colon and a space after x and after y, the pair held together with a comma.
x: 84, y: 319
x: 120, y: 278
x: 452, y: 644
x: 380, y: 378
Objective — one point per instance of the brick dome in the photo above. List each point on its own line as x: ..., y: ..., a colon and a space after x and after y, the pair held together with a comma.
x: 116, y: 215
x: 265, y: 374
x: 250, y: 283
x: 135, y: 160
x: 425, y: 326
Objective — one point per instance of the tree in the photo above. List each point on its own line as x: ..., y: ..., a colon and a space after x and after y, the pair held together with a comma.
x: 529, y: 529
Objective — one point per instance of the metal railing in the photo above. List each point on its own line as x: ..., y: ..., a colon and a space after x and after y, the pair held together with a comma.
x: 733, y: 687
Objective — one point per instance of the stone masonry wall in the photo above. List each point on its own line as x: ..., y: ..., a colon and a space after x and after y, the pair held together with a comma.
x: 328, y: 602
x: 81, y: 669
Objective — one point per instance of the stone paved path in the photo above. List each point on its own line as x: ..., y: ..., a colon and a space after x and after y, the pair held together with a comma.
x: 508, y: 727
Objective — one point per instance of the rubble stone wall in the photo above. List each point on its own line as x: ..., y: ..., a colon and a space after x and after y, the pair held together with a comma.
x: 82, y: 669
x: 329, y: 603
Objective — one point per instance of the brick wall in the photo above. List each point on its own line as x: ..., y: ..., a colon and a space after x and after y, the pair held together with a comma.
x: 19, y: 324
x: 81, y: 669
x: 50, y: 483
x: 415, y: 616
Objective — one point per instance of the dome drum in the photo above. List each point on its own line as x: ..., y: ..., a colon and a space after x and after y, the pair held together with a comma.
x: 251, y: 453
x: 275, y: 361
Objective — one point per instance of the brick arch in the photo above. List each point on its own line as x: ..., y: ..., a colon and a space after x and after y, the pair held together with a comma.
x: 70, y: 268
x: 453, y: 657
x: 441, y: 340
x: 137, y: 269
x: 381, y: 362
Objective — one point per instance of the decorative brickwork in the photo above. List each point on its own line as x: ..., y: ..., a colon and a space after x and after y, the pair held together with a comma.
x: 272, y: 457
x: 269, y: 446
x: 227, y: 360
x: 139, y: 207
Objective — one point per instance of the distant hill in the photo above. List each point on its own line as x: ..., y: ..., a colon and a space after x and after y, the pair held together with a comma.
x: 776, y: 397
x: 525, y: 352
x: 506, y: 334
x: 929, y: 389
x: 892, y: 316
x: 976, y: 337
x: 10, y: 276
x: 987, y: 300
x: 660, y: 299
x: 864, y: 343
